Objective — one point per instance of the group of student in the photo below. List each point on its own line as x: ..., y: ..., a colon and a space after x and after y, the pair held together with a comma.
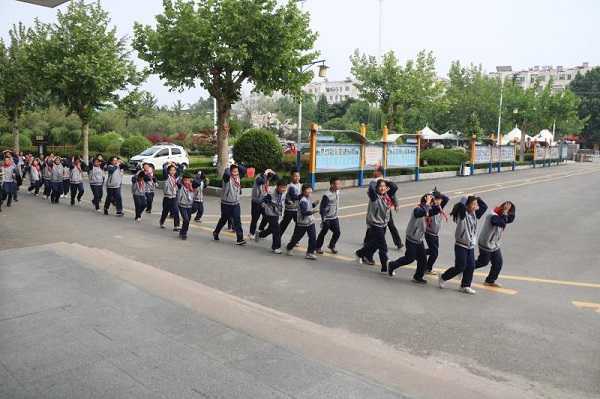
x: 289, y: 200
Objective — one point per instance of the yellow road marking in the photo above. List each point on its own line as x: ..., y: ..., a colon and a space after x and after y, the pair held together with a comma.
x: 587, y: 305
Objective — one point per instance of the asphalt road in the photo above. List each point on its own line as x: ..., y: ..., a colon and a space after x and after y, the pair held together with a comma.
x: 541, y: 332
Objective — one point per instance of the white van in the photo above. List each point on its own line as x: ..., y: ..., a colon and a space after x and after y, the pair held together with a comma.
x: 160, y: 154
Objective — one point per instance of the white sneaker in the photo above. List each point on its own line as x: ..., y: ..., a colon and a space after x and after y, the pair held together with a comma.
x: 277, y: 251
x: 468, y: 290
x: 289, y: 252
x: 441, y: 282
x: 310, y: 257
x: 251, y: 236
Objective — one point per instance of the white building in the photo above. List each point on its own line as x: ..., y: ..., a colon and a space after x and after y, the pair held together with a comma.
x: 335, y: 91
x: 560, y: 76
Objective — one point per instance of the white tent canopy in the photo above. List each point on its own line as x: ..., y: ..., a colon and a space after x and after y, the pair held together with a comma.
x: 513, y: 135
x: 449, y: 136
x: 545, y: 136
x: 428, y: 134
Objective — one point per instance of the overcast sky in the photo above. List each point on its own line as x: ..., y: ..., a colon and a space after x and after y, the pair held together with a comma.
x: 521, y: 33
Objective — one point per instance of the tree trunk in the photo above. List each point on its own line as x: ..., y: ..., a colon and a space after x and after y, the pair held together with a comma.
x: 15, y: 133
x: 223, y: 110
x: 85, y: 134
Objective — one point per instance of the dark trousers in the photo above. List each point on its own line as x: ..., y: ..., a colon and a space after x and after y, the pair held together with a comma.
x: 256, y: 211
x: 96, y: 195
x: 375, y: 241
x: 66, y: 186
x: 149, y: 201
x: 231, y: 212
x: 35, y: 187
x: 288, y: 216
x: 139, y: 202
x: 299, y: 232
x: 76, y: 191
x: 57, y: 190
x: 169, y: 206
x: 413, y: 252
x: 394, y: 232
x: 113, y: 196
x: 464, y: 262
x: 186, y: 215
x: 8, y: 190
x: 433, y: 247
x: 198, y: 209
x: 334, y: 226
x: 273, y: 228
x: 47, y: 187
x: 485, y: 257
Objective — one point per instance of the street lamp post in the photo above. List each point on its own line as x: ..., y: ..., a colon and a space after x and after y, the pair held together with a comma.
x: 322, y: 73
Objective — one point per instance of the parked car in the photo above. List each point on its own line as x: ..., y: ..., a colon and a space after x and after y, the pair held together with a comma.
x: 229, y: 162
x: 160, y: 154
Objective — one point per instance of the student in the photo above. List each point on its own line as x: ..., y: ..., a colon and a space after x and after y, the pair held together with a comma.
x: 173, y: 212
x: 96, y: 177
x: 185, y: 203
x: 490, y: 240
x: 169, y: 204
x: 199, y: 183
x: 378, y: 215
x: 465, y: 214
x: 230, y: 202
x: 415, y: 232
x: 259, y: 190
x: 292, y: 197
x: 47, y: 175
x: 328, y: 209
x: 138, y: 190
x: 76, y: 179
x: 66, y: 182
x: 273, y: 205
x: 113, y: 186
x: 305, y: 224
x: 378, y: 175
x: 56, y: 180
x: 9, y: 179
x: 151, y: 181
x: 433, y: 228
x: 35, y: 177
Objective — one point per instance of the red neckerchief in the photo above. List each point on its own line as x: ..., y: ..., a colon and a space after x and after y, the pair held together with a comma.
x: 188, y: 186
x: 172, y: 181
x: 236, y: 181
x: 78, y: 167
x: 7, y: 162
x: 388, y: 200
x: 141, y: 185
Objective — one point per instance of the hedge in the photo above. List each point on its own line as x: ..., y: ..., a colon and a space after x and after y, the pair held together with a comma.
x: 259, y: 148
x: 133, y: 145
x: 442, y: 156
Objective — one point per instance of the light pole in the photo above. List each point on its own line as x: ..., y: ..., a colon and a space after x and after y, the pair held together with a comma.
x: 500, y: 112
x: 322, y: 73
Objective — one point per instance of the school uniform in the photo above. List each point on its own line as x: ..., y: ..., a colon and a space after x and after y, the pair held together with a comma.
x: 150, y: 187
x: 465, y: 237
x: 199, y: 183
x: 56, y: 181
x: 35, y: 179
x: 169, y: 204
x: 138, y: 190
x: 46, y: 176
x: 96, y: 177
x: 113, y: 188
x: 259, y: 190
x: 305, y: 224
x: 76, y: 179
x: 434, y: 223
x: 231, y: 193
x: 66, y: 181
x: 9, y: 182
x: 328, y: 209
x: 273, y: 205
x: 378, y: 217
x: 391, y: 226
x: 490, y: 241
x: 185, y: 203
x: 415, y: 247
x: 292, y: 196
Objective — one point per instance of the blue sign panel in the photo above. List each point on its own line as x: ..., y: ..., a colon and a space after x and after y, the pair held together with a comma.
x: 332, y: 157
x: 401, y: 156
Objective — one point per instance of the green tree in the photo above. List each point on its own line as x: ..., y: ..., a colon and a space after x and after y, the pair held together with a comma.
x: 259, y: 148
x: 322, y: 110
x: 133, y: 145
x: 223, y: 43
x: 16, y: 78
x: 521, y: 110
x: 587, y: 88
x: 135, y: 104
x: 84, y: 62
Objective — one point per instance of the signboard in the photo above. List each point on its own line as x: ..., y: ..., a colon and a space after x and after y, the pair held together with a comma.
x: 373, y: 156
x: 554, y: 153
x: 483, y: 154
x: 540, y: 153
x: 331, y: 157
x: 401, y: 156
x: 507, y: 153
x: 564, y: 151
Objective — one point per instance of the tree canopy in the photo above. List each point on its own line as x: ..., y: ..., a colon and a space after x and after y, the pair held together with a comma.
x: 587, y: 88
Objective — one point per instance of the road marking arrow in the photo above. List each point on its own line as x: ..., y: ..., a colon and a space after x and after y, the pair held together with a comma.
x: 587, y: 305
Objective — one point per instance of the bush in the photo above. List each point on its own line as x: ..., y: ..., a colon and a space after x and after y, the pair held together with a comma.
x: 8, y: 142
x: 441, y: 156
x: 133, y: 145
x: 258, y: 148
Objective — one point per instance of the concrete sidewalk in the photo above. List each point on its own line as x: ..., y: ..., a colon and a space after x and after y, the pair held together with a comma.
x: 69, y: 331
